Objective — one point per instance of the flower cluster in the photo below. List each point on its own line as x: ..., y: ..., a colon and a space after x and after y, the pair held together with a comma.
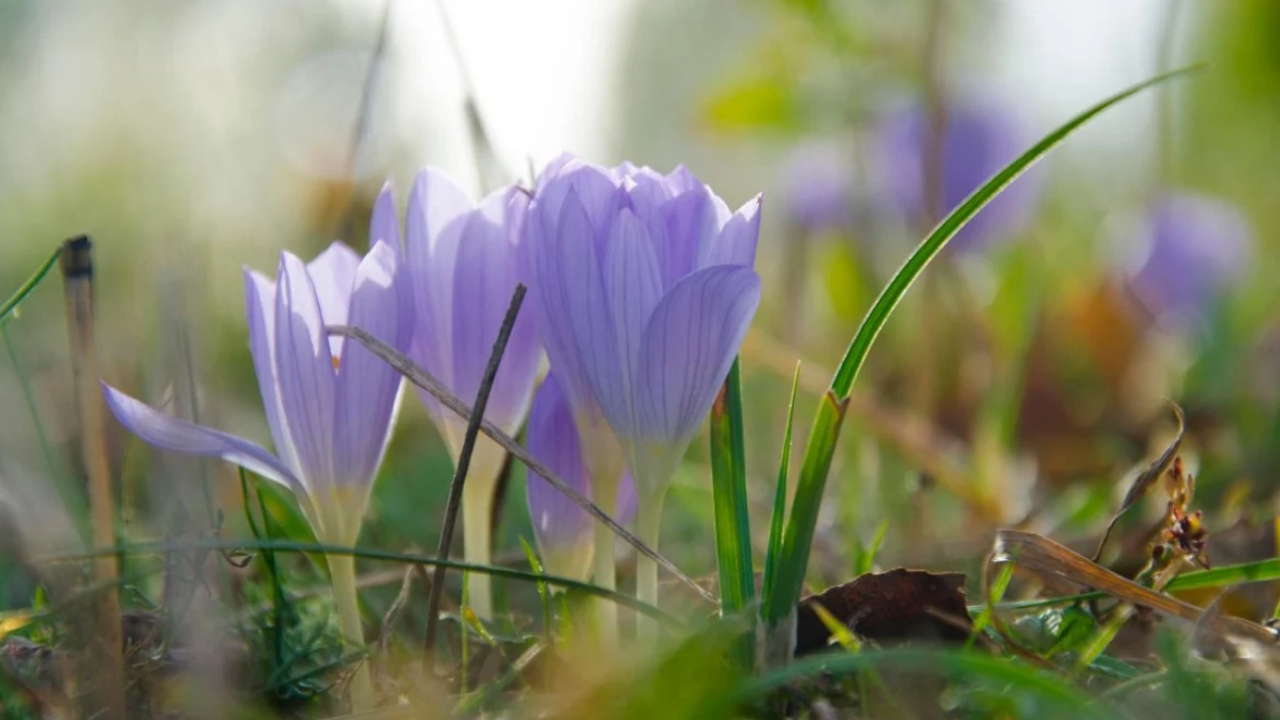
x: 641, y: 290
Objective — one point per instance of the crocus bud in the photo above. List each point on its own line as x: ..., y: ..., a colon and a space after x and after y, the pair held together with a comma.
x: 976, y: 142
x: 1187, y: 249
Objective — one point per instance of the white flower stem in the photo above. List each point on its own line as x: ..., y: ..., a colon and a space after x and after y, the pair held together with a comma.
x: 648, y: 523
x: 477, y: 520
x: 606, y: 576
x: 606, y: 573
x: 477, y: 506
x: 342, y: 570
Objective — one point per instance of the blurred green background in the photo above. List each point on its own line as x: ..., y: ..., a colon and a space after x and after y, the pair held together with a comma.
x: 1017, y: 384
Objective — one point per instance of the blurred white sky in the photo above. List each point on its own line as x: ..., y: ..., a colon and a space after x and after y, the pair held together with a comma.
x: 541, y: 69
x: 544, y: 70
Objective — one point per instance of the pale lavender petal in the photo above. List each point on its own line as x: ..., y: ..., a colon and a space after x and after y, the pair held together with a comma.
x: 437, y: 213
x: 554, y: 169
x: 573, y: 318
x: 367, y: 387
x: 260, y: 312
x: 633, y: 286
x: 484, y: 279
x: 687, y: 349
x: 178, y: 435
x: 736, y: 243
x: 596, y: 190
x: 690, y: 222
x: 682, y: 180
x: 333, y: 272
x: 434, y: 202
x: 304, y: 367
x: 553, y: 440
x: 384, y: 225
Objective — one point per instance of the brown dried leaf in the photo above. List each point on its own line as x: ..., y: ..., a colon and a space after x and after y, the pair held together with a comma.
x: 897, y: 605
x: 1145, y: 480
x: 1047, y: 558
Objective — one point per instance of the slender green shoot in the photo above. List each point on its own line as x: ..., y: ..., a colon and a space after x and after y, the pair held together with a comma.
x: 822, y: 440
x: 779, y: 517
x: 729, y: 491
x: 11, y: 305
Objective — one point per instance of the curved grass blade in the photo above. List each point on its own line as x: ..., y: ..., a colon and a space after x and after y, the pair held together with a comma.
x: 778, y: 520
x: 729, y: 492
x: 955, y: 220
x: 423, y: 379
x: 30, y: 285
x: 821, y: 445
x: 367, y: 554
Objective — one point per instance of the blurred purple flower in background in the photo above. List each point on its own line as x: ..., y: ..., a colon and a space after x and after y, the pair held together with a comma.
x: 818, y: 187
x: 330, y: 404
x: 462, y: 266
x: 1190, y: 247
x: 643, y: 289
x: 978, y: 140
x: 562, y: 529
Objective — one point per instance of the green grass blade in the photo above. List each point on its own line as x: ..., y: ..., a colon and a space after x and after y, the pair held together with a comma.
x: 321, y: 549
x: 953, y: 222
x: 544, y: 590
x: 30, y: 285
x: 798, y: 536
x: 729, y: 491
x: 779, y: 517
x: 821, y: 447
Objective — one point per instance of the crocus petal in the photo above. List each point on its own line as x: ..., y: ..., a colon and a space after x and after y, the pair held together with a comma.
x: 687, y: 349
x: 561, y: 528
x: 383, y: 226
x: 596, y: 190
x: 485, y: 277
x: 304, y: 368
x: 260, y: 311
x: 178, y: 435
x: 573, y: 316
x: 333, y: 272
x: 633, y: 285
x: 367, y: 387
x: 736, y: 243
x: 688, y: 218
x: 434, y: 202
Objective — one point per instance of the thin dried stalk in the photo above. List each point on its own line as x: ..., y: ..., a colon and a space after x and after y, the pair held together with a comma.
x: 1047, y: 558
x: 108, y: 666
x: 424, y: 380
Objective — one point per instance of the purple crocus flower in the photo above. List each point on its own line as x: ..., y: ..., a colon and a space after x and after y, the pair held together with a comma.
x: 978, y: 140
x: 818, y: 187
x: 643, y: 290
x: 1190, y: 247
x: 330, y: 403
x: 561, y: 528
x: 462, y: 265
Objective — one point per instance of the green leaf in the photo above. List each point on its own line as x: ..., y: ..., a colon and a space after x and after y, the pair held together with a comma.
x: 798, y: 536
x: 729, y: 489
x: 11, y: 305
x: 778, y: 520
x: 826, y: 428
x: 884, y: 305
